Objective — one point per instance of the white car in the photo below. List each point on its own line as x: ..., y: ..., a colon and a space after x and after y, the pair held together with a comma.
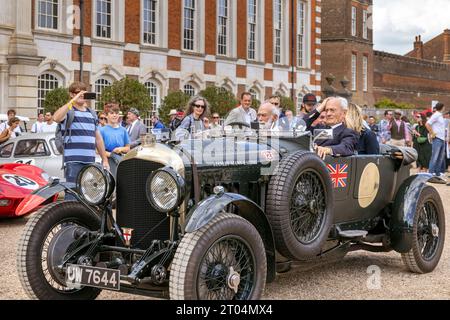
x: 37, y: 149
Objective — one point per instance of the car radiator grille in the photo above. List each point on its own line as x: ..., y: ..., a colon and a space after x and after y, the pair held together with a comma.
x: 133, y: 209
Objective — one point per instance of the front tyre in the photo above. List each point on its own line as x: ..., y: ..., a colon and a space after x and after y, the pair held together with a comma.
x: 428, y: 233
x: 224, y: 260
x: 45, y: 240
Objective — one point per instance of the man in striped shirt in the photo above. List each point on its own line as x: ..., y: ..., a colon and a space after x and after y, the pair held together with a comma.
x: 80, y: 145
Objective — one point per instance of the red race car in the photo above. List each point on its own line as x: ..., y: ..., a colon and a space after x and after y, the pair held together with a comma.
x: 16, y: 182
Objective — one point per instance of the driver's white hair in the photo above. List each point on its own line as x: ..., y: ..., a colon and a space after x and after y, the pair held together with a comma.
x: 343, y: 103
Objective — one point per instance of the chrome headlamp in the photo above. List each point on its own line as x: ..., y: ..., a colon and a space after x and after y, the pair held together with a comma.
x: 165, y: 189
x: 95, y: 184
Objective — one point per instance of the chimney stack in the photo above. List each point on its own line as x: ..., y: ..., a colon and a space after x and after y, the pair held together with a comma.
x: 447, y: 46
x: 418, y: 47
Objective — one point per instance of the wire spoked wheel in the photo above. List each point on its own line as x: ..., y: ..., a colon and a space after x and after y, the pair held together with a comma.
x: 428, y: 233
x: 428, y: 230
x: 307, y: 207
x: 224, y: 260
x: 227, y: 271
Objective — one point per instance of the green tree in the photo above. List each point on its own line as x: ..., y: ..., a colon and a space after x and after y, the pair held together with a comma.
x: 387, y: 103
x: 128, y: 93
x: 55, y: 99
x: 174, y: 100
x: 255, y: 104
x: 220, y: 100
x: 288, y: 104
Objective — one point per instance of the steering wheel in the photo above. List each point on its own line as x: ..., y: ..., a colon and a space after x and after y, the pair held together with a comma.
x: 238, y: 123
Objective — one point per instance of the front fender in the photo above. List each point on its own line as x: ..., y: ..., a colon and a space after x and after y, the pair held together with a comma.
x: 405, y: 206
x: 40, y: 196
x: 209, y: 208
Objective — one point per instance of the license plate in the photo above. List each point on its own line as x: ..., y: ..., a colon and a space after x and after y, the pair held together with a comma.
x: 79, y: 276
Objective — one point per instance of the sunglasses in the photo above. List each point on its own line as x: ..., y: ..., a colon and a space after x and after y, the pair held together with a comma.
x: 103, y: 118
x: 216, y: 117
x: 199, y: 106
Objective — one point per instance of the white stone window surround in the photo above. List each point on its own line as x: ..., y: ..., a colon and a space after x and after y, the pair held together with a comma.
x: 154, y: 90
x: 281, y: 37
x: 199, y: 26
x: 100, y: 84
x: 231, y: 29
x: 190, y: 89
x: 64, y: 17
x: 149, y: 20
x: 161, y: 24
x: 223, y: 27
x: 259, y: 32
x: 117, y: 21
x: 47, y: 81
x: 305, y: 60
x: 354, y: 18
x: 365, y: 73
x: 365, y: 24
x: 354, y: 66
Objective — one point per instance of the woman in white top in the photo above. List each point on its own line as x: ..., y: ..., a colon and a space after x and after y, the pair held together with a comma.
x: 9, y: 132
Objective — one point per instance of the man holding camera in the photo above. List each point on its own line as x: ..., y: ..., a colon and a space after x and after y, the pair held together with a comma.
x: 82, y: 136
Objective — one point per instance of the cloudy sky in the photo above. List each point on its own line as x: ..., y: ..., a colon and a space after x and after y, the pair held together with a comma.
x: 397, y: 22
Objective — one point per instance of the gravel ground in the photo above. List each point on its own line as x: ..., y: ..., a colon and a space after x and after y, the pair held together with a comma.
x: 342, y: 280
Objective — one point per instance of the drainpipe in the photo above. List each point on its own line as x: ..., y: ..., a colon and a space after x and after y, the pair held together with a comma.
x: 292, y: 51
x: 81, y: 47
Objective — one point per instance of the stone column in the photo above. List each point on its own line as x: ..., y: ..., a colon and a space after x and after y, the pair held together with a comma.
x: 4, y: 101
x: 23, y: 62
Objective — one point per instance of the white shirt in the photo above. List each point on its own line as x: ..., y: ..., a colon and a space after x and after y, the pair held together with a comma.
x: 437, y: 123
x: 49, y: 127
x: 130, y: 128
x: 250, y: 115
x: 37, y: 127
x: 17, y: 131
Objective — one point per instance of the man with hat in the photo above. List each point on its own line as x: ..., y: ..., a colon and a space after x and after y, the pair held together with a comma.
x: 173, y: 122
x: 135, y: 128
x: 398, y: 129
x: 309, y: 102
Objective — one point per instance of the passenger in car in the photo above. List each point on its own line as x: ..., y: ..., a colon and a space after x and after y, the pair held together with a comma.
x: 368, y: 142
x: 344, y: 140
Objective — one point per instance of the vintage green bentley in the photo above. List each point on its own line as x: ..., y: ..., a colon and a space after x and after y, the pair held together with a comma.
x: 216, y: 216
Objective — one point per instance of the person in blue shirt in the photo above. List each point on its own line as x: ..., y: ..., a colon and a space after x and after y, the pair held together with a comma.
x: 157, y: 124
x: 117, y: 141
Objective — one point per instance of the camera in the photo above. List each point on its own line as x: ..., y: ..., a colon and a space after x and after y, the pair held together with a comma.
x: 90, y: 96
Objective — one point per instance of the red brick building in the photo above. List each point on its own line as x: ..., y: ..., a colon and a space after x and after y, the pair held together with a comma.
x: 347, y: 46
x: 419, y: 77
x: 261, y: 46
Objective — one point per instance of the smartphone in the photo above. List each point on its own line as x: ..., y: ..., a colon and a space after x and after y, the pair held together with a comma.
x: 90, y: 96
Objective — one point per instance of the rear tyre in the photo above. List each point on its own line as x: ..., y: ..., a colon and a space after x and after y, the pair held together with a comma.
x: 428, y: 233
x: 299, y: 206
x: 39, y: 251
x: 224, y: 260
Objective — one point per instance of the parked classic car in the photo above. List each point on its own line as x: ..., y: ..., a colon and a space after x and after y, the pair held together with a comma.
x: 36, y: 149
x: 215, y: 218
x: 16, y: 182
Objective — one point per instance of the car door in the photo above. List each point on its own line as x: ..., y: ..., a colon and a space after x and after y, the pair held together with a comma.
x: 54, y: 163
